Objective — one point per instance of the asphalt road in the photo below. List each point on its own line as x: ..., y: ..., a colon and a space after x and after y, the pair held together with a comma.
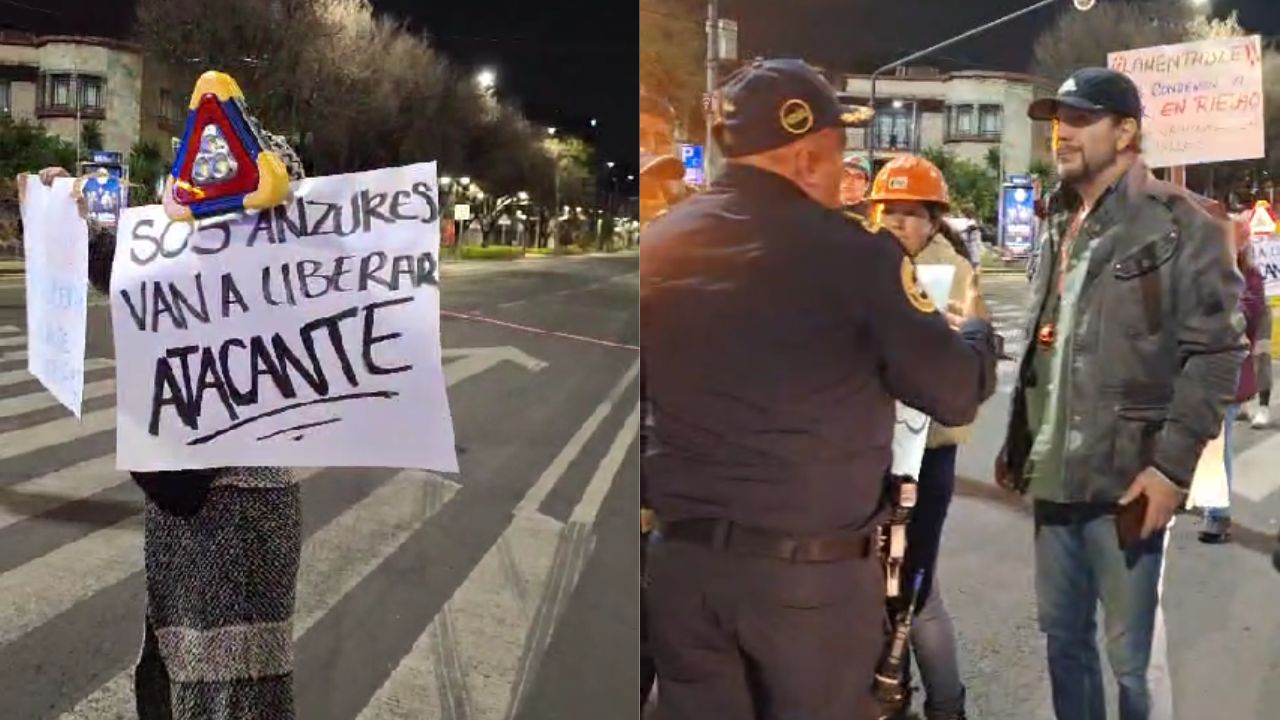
x: 1223, y: 627
x: 506, y: 592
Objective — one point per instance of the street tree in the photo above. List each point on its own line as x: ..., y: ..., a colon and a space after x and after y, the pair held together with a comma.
x: 24, y: 146
x: 1083, y: 39
x: 971, y: 186
x: 673, y: 50
x: 354, y: 90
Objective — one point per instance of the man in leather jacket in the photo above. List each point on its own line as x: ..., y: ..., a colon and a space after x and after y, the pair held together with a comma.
x: 1134, y: 345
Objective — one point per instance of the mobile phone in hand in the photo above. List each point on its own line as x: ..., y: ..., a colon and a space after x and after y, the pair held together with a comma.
x: 1129, y: 522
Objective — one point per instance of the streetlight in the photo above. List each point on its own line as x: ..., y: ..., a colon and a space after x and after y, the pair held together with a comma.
x: 522, y: 196
x: 551, y: 131
x: 486, y: 79
x: 610, y: 165
x: 445, y: 180
x: 1081, y: 5
x: 593, y: 122
x: 464, y: 180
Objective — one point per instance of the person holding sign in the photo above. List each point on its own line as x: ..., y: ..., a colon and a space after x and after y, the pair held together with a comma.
x: 910, y: 198
x: 1136, y: 345
x: 222, y: 547
x: 777, y: 334
x: 1253, y: 304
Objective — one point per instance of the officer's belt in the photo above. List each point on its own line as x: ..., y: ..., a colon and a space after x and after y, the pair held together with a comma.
x: 725, y: 535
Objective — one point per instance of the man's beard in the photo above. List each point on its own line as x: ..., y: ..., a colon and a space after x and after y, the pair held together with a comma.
x: 1088, y: 169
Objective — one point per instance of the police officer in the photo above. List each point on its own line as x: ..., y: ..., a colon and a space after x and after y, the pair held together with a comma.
x: 777, y: 334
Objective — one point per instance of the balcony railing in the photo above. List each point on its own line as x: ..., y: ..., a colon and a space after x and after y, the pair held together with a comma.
x: 68, y: 111
x: 974, y: 136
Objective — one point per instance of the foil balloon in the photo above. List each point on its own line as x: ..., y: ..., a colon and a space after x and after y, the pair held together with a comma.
x: 221, y: 166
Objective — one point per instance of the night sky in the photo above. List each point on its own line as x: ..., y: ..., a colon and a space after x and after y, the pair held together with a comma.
x: 563, y: 62
x: 861, y: 35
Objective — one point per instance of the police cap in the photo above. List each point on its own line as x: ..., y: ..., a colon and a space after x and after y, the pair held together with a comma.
x: 768, y: 104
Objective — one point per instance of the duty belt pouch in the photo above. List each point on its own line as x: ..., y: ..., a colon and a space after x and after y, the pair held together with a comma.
x: 177, y: 492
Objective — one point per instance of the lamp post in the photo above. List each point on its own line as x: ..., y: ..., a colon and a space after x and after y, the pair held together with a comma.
x: 1081, y: 5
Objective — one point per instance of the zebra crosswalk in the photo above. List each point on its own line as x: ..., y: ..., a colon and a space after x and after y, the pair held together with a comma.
x: 71, y: 568
x: 1007, y: 317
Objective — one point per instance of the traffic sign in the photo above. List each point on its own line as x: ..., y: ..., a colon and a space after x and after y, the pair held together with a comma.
x: 691, y: 156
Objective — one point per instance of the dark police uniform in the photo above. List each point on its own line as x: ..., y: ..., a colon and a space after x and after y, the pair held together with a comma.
x: 776, y: 335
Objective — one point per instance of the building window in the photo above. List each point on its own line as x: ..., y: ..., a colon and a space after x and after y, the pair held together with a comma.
x: 60, y: 91
x: 974, y: 121
x: 91, y: 93
x: 55, y: 91
x: 895, y: 127
x: 990, y: 120
x: 960, y: 122
x: 167, y: 105
x: 5, y: 95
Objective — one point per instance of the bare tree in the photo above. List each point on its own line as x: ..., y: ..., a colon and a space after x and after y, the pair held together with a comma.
x: 673, y: 49
x: 357, y: 90
x: 1083, y: 39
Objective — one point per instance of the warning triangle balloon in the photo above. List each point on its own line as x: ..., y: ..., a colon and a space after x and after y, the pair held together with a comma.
x: 220, y: 166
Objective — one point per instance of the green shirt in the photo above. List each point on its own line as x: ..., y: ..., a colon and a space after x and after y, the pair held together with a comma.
x: 1047, y: 400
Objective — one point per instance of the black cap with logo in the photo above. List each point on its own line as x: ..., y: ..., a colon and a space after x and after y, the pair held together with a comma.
x: 767, y: 104
x: 1093, y: 89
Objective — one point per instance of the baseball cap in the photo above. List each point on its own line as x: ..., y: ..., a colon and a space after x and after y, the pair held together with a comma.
x: 1095, y: 89
x: 767, y: 104
x: 854, y: 161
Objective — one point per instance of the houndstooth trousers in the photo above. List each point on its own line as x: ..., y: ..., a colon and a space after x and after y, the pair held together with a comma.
x: 220, y: 585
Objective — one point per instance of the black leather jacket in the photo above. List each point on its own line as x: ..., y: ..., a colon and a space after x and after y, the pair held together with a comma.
x: 1159, y: 341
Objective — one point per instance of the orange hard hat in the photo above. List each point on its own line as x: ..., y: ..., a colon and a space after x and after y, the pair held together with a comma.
x: 910, y: 178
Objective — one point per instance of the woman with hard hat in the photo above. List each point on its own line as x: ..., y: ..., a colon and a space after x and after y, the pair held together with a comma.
x: 909, y: 198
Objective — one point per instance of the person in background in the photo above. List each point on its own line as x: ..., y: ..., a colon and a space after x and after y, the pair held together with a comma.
x: 221, y: 548
x: 1260, y: 410
x: 661, y: 171
x: 910, y: 197
x: 1253, y: 303
x: 853, y: 185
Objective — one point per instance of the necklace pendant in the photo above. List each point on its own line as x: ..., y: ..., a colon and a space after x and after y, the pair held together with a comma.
x: 1047, y: 334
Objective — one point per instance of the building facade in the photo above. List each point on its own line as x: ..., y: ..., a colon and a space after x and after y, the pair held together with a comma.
x: 65, y: 82
x: 970, y: 113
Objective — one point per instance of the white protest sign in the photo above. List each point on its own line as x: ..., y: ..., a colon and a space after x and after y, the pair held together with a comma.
x: 304, y: 336
x: 911, y: 431
x: 1266, y: 253
x: 1202, y: 101
x: 1266, y: 247
x: 1209, y: 483
x: 56, y: 245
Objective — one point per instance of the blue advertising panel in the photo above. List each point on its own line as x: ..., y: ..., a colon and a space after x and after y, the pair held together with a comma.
x: 1018, y: 218
x: 105, y: 190
x: 694, y: 170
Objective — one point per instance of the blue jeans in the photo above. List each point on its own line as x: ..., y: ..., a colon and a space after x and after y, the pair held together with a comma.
x: 1224, y: 513
x: 1079, y: 563
x: 933, y: 637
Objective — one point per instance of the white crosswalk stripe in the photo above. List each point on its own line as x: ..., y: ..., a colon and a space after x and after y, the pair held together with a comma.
x: 500, y: 619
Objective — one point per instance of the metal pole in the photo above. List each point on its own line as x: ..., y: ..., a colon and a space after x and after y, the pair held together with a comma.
x: 713, y: 53
x: 930, y: 50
